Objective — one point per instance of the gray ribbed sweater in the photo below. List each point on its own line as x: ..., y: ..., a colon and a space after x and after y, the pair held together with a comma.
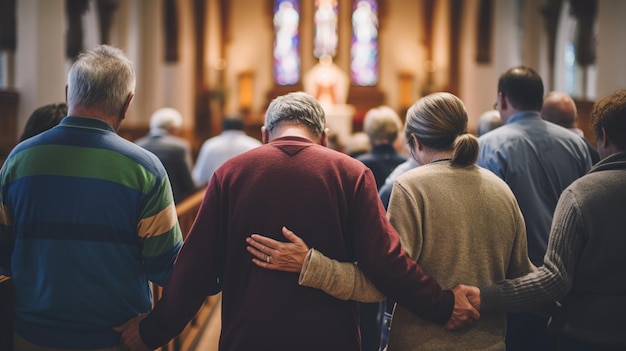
x: 585, y: 265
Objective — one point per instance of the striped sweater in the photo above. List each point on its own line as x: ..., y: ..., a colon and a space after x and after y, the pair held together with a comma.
x: 87, y: 219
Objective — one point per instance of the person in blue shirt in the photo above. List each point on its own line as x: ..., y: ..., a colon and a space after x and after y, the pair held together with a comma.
x: 87, y: 218
x: 538, y: 160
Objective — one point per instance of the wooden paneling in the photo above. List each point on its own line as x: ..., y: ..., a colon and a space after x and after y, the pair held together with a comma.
x: 584, y: 108
x: 8, y: 123
x: 363, y: 99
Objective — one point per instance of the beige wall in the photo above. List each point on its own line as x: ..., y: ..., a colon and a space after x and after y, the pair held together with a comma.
x: 40, y: 56
x: 40, y: 65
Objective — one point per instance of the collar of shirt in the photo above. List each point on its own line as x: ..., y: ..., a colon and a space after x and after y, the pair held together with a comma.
x: 523, y: 115
x: 86, y: 122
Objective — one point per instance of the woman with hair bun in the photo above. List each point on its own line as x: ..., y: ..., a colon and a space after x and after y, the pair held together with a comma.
x: 460, y: 222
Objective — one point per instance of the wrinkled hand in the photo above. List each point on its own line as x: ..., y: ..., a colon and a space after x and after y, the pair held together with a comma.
x: 464, y: 313
x: 472, y: 293
x: 130, y: 334
x: 271, y: 254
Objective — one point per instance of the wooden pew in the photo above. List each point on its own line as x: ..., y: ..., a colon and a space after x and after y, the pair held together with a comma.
x: 187, y: 211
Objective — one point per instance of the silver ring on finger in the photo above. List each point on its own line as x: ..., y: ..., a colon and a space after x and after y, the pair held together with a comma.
x: 268, y: 258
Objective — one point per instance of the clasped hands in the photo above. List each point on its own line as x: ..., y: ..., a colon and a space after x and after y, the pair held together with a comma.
x: 466, y: 307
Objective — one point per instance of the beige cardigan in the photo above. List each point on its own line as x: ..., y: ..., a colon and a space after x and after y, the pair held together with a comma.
x: 462, y: 225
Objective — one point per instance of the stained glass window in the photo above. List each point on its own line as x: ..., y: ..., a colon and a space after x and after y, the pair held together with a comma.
x: 325, y: 42
x: 286, y: 42
x: 364, y: 49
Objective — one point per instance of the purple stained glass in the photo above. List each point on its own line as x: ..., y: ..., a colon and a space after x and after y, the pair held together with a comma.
x: 286, y: 42
x: 364, y: 49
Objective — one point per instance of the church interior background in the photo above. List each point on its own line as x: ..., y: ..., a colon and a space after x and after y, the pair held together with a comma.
x: 208, y: 58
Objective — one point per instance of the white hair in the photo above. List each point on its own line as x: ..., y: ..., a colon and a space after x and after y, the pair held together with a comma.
x: 101, y: 78
x: 165, y: 118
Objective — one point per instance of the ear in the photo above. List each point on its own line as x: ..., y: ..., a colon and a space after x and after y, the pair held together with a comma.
x: 503, y: 103
x: 265, y: 138
x: 604, y: 142
x: 418, y: 144
x: 65, y: 93
x: 324, y: 139
x: 129, y: 99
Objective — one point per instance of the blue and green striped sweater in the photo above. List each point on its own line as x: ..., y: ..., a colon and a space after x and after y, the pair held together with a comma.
x: 87, y: 219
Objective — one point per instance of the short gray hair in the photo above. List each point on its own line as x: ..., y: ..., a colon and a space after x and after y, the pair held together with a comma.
x: 382, y: 123
x: 101, y: 78
x: 166, y: 118
x: 297, y: 108
x: 488, y: 121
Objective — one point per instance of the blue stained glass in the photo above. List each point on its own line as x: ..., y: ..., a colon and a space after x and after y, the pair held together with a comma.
x: 364, y: 49
x: 286, y: 42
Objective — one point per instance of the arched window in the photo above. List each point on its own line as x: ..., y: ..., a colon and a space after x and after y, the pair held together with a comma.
x: 286, y: 42
x: 364, y: 48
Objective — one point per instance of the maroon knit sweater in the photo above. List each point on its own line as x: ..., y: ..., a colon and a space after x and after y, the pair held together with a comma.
x: 328, y: 199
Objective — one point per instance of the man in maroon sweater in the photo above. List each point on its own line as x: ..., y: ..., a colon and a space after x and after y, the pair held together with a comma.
x: 328, y: 198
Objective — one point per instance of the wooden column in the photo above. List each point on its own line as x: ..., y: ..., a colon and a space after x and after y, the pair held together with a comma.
x: 7, y: 25
x: 484, y: 33
x: 8, y: 123
x: 202, y: 95
x: 170, y: 14
x: 106, y: 10
x: 585, y: 12
x: 551, y: 12
x: 75, y: 11
x: 428, y: 19
x: 456, y: 17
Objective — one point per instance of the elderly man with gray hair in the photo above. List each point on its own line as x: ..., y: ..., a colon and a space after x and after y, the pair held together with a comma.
x: 382, y: 124
x: 330, y: 199
x: 173, y: 151
x: 87, y: 218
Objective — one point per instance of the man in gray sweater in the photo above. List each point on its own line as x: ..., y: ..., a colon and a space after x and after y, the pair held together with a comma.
x: 584, y: 266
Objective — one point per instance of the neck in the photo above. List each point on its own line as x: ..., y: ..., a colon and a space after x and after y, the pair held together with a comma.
x: 293, y: 130
x: 95, y: 114
x: 438, y: 155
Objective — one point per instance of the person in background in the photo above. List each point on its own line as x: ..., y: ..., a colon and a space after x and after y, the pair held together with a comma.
x: 585, y: 263
x: 537, y: 159
x: 358, y: 144
x: 482, y: 238
x: 87, y: 219
x: 559, y: 108
x: 43, y: 118
x: 295, y: 180
x: 173, y: 151
x: 382, y: 125
x: 385, y: 310
x: 488, y: 121
x: 218, y: 149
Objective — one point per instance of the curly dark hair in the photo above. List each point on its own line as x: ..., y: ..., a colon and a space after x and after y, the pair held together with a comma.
x: 610, y: 114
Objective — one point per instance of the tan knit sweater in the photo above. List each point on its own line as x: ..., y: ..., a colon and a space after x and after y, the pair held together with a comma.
x: 462, y: 225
